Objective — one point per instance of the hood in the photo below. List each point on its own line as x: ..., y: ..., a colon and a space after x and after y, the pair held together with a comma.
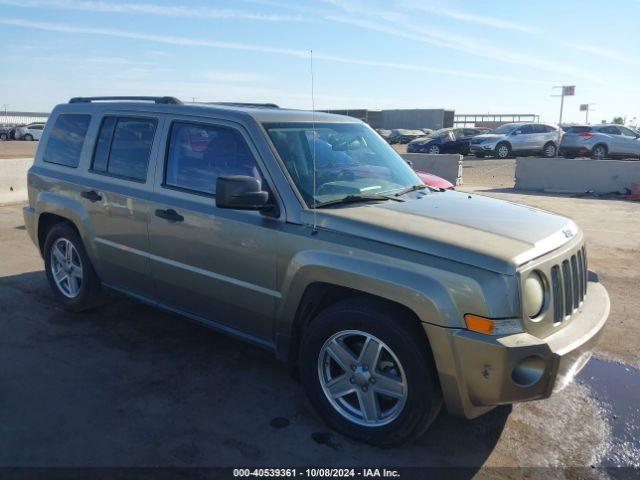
x: 489, y: 136
x: 484, y: 232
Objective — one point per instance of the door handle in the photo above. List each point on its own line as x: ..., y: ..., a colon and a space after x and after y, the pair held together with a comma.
x: 171, y: 215
x: 91, y: 195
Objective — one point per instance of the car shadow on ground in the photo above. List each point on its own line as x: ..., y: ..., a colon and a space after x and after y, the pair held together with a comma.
x: 129, y: 385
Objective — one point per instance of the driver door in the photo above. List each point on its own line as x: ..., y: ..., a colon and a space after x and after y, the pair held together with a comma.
x: 215, y: 265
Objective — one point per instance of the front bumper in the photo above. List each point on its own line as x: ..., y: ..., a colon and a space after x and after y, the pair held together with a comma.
x: 482, y: 148
x: 478, y: 372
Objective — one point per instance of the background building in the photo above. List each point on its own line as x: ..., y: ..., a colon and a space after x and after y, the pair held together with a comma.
x: 402, y: 118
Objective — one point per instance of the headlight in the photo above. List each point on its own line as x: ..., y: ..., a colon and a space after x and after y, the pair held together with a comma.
x: 533, y: 295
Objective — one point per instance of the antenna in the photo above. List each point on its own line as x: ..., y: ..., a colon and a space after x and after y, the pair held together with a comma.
x: 313, y: 150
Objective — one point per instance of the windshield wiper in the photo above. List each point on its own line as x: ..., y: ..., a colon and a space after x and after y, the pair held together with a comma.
x: 410, y: 189
x: 355, y: 199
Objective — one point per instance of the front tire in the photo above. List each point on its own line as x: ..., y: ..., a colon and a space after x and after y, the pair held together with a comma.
x: 434, y: 150
x: 4, y: 137
x: 71, y: 276
x: 503, y: 150
x: 28, y: 137
x: 369, y: 372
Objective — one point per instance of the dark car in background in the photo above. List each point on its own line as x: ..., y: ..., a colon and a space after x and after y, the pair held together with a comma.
x: 445, y: 140
x: 403, y: 136
x: 5, y: 133
x: 600, y: 141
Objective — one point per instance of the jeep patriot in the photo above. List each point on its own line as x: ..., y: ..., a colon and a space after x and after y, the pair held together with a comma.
x: 306, y: 234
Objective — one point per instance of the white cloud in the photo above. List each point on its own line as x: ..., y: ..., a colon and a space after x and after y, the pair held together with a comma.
x: 460, y: 15
x: 601, y: 52
x: 152, y: 9
x: 176, y: 40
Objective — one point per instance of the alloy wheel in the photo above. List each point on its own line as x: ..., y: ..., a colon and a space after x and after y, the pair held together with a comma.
x: 362, y: 378
x: 434, y: 149
x: 503, y: 151
x: 599, y: 152
x: 66, y: 267
x: 550, y: 151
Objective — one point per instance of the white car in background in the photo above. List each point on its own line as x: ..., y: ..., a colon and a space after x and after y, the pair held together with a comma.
x: 30, y: 132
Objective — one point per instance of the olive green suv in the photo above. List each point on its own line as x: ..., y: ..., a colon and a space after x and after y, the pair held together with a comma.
x: 306, y: 234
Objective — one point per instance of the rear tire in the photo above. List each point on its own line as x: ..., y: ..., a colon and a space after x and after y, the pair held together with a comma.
x: 4, y: 137
x: 549, y: 150
x: 28, y: 137
x: 503, y: 150
x: 599, y: 152
x: 405, y: 356
x: 69, y: 271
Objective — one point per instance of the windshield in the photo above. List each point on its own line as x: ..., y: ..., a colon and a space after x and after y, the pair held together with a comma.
x: 507, y: 128
x: 351, y: 159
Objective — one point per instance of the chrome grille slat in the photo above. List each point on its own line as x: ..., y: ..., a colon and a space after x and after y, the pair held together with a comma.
x: 558, y: 296
x: 580, y: 275
x: 567, y: 287
x: 575, y: 288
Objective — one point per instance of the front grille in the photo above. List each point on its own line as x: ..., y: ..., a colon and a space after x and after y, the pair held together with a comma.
x: 569, y: 285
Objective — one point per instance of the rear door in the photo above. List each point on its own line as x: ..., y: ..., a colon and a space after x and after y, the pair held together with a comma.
x: 615, y: 144
x: 216, y: 265
x: 116, y: 195
x: 629, y: 142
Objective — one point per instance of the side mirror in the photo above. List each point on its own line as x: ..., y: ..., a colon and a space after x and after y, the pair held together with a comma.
x: 410, y: 163
x: 240, y: 192
x: 516, y: 132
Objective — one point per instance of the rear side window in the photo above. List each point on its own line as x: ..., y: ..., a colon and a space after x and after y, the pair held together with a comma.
x: 123, y: 147
x: 66, y: 139
x: 199, y: 154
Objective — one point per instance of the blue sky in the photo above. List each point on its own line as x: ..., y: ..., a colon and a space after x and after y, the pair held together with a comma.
x: 472, y: 56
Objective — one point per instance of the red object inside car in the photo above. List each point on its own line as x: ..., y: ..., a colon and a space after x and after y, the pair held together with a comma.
x: 434, y: 181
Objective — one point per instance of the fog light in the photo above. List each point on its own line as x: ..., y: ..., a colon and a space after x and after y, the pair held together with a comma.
x: 528, y: 371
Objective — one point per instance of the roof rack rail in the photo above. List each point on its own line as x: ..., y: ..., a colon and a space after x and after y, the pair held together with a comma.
x: 163, y: 100
x: 241, y: 104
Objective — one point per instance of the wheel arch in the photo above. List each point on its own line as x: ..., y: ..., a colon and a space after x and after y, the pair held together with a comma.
x: 316, y: 280
x: 52, y: 209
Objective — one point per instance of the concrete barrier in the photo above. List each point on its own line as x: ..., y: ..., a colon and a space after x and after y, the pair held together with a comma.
x: 13, y: 180
x: 447, y: 166
x: 574, y: 175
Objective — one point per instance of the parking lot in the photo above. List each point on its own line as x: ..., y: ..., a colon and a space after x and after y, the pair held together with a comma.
x: 128, y: 385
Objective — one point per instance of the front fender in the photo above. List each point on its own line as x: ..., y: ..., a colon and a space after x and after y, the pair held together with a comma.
x: 436, y: 296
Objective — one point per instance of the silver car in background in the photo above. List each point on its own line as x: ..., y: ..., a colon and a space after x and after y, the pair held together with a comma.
x: 600, y: 141
x: 517, y: 138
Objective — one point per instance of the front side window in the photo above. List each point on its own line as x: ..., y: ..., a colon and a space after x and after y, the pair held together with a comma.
x: 124, y: 146
x: 627, y: 132
x: 505, y: 129
x: 199, y: 154
x: 350, y: 159
x: 66, y: 139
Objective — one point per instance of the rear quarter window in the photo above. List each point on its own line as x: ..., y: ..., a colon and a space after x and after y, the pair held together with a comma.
x: 66, y: 139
